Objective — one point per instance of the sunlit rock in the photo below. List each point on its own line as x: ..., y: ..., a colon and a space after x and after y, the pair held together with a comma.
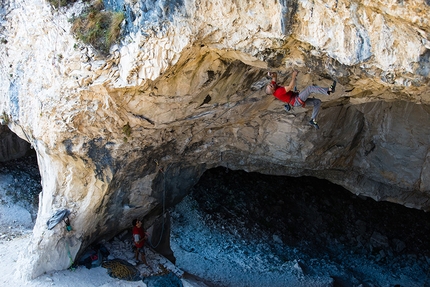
x: 127, y: 135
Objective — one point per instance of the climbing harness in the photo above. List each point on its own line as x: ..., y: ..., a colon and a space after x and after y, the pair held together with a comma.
x: 218, y: 117
x: 164, y: 172
x: 300, y: 101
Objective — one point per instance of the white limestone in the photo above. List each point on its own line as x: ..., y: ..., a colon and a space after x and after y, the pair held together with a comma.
x: 176, y: 96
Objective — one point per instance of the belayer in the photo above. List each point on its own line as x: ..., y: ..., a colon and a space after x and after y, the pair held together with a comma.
x: 295, y: 99
x: 139, y: 238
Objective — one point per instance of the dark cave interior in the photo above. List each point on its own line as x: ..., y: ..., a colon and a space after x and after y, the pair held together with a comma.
x: 314, y: 214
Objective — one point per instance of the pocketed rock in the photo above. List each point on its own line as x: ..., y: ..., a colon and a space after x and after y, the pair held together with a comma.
x: 182, y: 92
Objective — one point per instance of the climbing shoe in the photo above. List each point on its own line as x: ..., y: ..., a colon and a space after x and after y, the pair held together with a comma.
x: 314, y: 124
x: 287, y: 107
x: 332, y: 88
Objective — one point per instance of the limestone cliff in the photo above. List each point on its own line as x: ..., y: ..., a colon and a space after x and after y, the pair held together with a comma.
x: 126, y: 135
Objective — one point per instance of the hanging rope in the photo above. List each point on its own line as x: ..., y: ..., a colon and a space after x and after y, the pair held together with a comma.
x: 71, y: 267
x: 163, y: 172
x: 164, y: 206
x: 164, y: 175
x: 228, y: 109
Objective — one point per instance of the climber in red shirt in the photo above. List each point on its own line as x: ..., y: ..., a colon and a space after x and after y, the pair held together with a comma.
x: 295, y: 99
x: 139, y: 237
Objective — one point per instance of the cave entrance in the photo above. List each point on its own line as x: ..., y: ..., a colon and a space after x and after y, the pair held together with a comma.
x: 20, y: 184
x: 306, y: 219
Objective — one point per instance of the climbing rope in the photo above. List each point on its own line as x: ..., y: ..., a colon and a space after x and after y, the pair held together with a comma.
x: 228, y: 109
x: 164, y: 206
x: 121, y: 269
x: 70, y: 256
x: 163, y: 172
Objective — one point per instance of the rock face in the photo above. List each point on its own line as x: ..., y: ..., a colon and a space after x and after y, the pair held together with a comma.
x: 127, y: 135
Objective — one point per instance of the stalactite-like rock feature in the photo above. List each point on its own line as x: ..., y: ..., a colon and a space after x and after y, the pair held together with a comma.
x: 126, y: 135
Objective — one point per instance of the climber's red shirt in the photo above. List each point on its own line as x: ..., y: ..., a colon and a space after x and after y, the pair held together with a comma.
x: 138, y: 233
x: 281, y: 94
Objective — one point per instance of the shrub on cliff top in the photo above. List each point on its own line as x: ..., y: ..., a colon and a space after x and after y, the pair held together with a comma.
x: 97, y: 27
x: 60, y: 3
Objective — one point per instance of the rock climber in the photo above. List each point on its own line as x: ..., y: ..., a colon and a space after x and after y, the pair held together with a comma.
x: 295, y: 99
x: 139, y: 237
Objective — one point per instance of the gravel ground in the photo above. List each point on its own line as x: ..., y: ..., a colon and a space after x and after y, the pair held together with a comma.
x: 237, y: 229
x: 323, y: 222
x: 19, y: 196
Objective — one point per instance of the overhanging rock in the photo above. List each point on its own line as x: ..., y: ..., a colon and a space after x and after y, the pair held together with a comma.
x: 117, y: 136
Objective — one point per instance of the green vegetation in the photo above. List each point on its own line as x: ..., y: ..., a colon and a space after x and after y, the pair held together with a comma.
x: 126, y: 129
x: 60, y: 3
x: 97, y: 27
x: 5, y: 118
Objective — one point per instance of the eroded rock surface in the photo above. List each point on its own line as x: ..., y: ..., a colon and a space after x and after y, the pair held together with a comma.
x: 117, y: 136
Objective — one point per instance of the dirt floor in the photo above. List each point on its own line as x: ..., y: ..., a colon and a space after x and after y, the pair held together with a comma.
x: 20, y: 183
x: 315, y: 216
